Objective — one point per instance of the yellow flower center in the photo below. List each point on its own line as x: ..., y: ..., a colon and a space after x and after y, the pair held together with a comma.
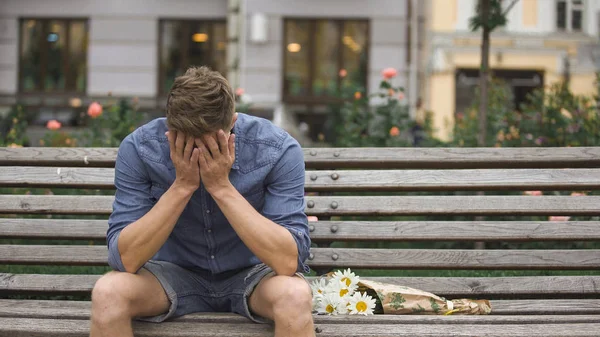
x: 347, y: 281
x: 343, y: 292
x: 320, y: 291
x: 329, y: 308
x: 361, y: 306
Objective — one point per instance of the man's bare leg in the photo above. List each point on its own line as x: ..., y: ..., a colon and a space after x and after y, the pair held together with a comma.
x: 287, y: 301
x: 118, y: 297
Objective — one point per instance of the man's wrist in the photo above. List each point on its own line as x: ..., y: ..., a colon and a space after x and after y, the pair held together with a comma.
x: 221, y: 192
x: 182, y: 190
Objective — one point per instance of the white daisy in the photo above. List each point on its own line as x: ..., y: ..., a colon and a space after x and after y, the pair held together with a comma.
x: 318, y: 286
x: 340, y: 289
x: 361, y: 304
x: 347, y: 277
x: 331, y: 304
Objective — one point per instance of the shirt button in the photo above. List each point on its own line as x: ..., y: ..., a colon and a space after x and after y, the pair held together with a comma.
x: 212, y: 257
x: 208, y: 211
x: 209, y: 230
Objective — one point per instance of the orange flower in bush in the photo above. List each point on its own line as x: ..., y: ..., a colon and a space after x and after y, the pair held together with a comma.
x: 389, y: 73
x: 53, y: 125
x: 94, y: 110
x: 343, y: 73
x: 239, y: 91
x: 578, y: 194
x: 534, y: 193
x: 394, y: 131
x: 391, y: 92
x: 556, y: 218
x: 312, y: 218
x: 357, y: 95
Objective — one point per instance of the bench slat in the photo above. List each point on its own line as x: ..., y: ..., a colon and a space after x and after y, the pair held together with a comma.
x: 335, y: 158
x: 378, y: 180
x: 81, y: 310
x: 587, y: 259
x: 545, y: 287
x: 19, y: 327
x: 401, y: 231
x: 344, y: 205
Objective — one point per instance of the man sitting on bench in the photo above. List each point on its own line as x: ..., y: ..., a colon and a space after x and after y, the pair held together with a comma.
x: 208, y: 217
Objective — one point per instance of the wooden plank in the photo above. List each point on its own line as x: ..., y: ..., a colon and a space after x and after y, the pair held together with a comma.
x: 344, y: 205
x: 453, y: 231
x: 51, y: 177
x: 19, y: 327
x: 400, y: 158
x: 453, y: 180
x: 60, y: 229
x: 58, y: 156
x: 392, y: 231
x: 452, y: 158
x: 81, y: 310
x: 343, y: 180
x: 545, y: 287
x: 585, y: 259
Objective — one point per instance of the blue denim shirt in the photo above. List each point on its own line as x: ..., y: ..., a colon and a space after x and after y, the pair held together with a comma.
x: 268, y: 171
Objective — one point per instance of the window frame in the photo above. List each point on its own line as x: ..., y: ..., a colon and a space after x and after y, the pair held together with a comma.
x: 185, y: 45
x: 311, y: 99
x: 570, y: 7
x: 39, y: 90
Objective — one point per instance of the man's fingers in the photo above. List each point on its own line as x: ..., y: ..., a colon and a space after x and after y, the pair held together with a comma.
x: 223, y: 146
x: 201, y: 157
x: 179, y: 143
x: 189, y: 147
x: 195, y: 156
x: 232, y: 146
x: 204, y: 153
x: 210, y: 142
x: 170, y: 137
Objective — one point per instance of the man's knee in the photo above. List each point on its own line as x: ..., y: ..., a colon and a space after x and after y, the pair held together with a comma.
x: 110, y: 297
x: 295, y: 297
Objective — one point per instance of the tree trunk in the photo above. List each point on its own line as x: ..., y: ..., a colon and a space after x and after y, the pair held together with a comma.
x: 484, y: 72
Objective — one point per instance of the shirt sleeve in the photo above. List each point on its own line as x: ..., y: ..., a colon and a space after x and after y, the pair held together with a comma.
x: 132, y: 198
x: 284, y: 198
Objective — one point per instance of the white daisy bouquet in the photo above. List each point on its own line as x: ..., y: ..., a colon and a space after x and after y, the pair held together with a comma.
x: 338, y: 295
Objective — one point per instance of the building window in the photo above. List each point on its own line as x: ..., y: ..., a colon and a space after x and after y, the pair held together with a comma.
x: 323, y: 57
x: 569, y: 15
x: 185, y: 43
x: 53, y: 55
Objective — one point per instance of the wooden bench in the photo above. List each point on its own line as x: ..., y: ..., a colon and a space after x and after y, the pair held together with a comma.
x: 397, y: 206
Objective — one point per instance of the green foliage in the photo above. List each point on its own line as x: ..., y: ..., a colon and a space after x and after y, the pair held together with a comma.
x: 13, y: 127
x: 554, y: 117
x: 497, y: 18
x: 383, y: 123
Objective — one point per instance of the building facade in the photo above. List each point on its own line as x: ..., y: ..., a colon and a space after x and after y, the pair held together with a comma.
x: 56, y: 56
x: 544, y: 42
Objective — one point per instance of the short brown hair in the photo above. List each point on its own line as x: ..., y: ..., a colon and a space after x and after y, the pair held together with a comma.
x: 199, y: 102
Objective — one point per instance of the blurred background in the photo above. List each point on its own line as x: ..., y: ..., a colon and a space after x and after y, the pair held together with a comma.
x: 294, y: 62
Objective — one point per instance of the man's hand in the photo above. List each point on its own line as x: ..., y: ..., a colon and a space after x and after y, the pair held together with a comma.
x: 216, y: 158
x: 185, y: 159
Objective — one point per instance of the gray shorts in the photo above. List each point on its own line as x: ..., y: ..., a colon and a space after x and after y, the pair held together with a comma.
x: 192, y: 291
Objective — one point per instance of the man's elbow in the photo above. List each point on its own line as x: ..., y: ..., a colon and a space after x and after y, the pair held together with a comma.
x: 287, y: 267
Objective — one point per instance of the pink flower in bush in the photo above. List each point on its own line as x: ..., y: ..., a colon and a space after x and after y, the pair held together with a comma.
x: 94, y: 110
x: 534, y: 193
x: 394, y: 131
x: 312, y: 218
x: 343, y: 73
x: 578, y: 194
x: 389, y: 73
x: 401, y: 96
x: 53, y: 125
x: 556, y: 218
x: 239, y: 91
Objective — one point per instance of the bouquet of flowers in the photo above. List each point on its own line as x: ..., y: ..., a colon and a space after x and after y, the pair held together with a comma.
x: 342, y: 293
x: 338, y: 295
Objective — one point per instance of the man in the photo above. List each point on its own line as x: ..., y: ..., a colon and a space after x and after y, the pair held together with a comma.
x: 208, y: 216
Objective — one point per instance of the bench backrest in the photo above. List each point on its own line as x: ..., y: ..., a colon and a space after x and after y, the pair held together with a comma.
x: 378, y: 199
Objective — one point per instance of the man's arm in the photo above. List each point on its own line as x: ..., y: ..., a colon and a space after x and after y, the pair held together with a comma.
x: 280, y: 240
x: 137, y: 229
